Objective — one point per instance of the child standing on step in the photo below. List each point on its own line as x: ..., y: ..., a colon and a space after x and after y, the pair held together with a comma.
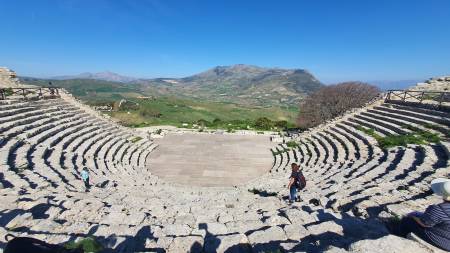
x: 85, y: 178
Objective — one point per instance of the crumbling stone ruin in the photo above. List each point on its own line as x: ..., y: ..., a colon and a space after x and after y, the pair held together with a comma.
x: 8, y: 78
x: 434, y: 84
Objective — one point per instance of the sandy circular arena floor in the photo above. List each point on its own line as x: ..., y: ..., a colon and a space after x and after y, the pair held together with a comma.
x: 211, y: 159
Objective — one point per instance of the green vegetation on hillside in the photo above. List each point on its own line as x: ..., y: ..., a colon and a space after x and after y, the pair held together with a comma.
x: 174, y: 110
x: 201, y: 114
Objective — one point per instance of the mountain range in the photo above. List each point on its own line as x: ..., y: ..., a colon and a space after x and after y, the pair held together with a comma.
x: 240, y: 83
x: 244, y: 84
x: 105, y: 76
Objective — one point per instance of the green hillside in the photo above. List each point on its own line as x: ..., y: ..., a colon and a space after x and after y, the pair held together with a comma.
x: 167, y: 109
x: 175, y: 111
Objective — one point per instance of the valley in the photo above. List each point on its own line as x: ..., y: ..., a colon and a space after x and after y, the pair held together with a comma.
x: 236, y: 95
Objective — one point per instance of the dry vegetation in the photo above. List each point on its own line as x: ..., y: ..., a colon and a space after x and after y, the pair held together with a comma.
x: 334, y: 100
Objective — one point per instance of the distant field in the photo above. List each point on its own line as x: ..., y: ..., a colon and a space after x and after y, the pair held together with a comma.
x: 175, y: 111
x: 168, y: 110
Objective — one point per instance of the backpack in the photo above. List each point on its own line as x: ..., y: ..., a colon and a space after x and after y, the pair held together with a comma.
x: 300, y: 182
x: 32, y: 245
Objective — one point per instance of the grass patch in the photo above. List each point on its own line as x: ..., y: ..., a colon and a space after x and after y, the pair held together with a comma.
x: 87, y: 244
x: 136, y: 139
x: 9, y: 91
x: 417, y: 137
x: 292, y: 144
x: 438, y: 128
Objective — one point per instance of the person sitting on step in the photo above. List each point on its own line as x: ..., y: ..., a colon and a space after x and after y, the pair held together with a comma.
x: 85, y: 178
x: 432, y: 226
x: 296, y: 182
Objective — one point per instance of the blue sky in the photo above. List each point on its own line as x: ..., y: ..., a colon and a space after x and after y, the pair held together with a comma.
x: 335, y: 40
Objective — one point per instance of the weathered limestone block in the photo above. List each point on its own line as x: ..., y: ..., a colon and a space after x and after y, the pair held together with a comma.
x: 176, y: 230
x: 187, y: 219
x: 388, y: 243
x: 214, y: 228
x: 295, y: 231
x: 236, y: 243
x: 324, y: 227
x: 433, y: 249
x: 277, y: 220
x: 297, y: 216
x: 267, y: 240
x: 186, y: 244
x: 224, y: 218
x: 244, y: 226
x: 20, y: 220
x: 46, y: 225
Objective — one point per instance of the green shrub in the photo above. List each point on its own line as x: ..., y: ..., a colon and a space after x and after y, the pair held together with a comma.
x: 87, y: 244
x: 283, y: 124
x: 8, y: 91
x: 203, y: 122
x: 263, y: 123
x: 292, y: 144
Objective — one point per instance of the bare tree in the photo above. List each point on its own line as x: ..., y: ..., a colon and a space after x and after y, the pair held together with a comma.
x: 334, y: 100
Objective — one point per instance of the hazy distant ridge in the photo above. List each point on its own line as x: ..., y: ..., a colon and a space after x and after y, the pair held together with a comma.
x: 105, y: 76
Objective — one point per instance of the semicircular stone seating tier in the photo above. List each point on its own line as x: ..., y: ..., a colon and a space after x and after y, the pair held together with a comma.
x: 45, y: 144
x: 348, y: 171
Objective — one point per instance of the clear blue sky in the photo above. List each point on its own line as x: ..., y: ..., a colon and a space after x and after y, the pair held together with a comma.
x: 335, y: 40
